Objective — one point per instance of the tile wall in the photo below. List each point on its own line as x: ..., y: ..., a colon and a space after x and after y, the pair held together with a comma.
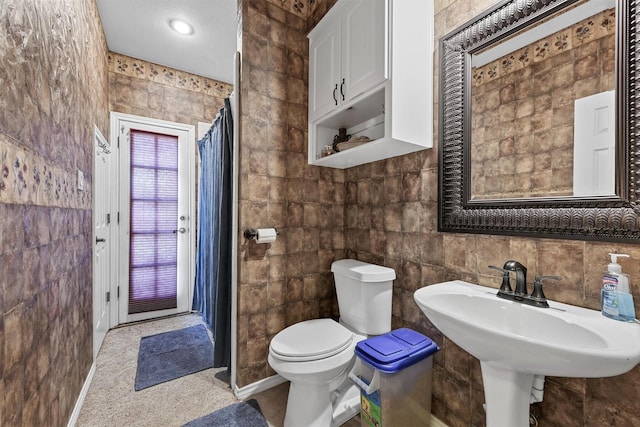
x: 53, y: 90
x: 391, y: 218
x: 287, y: 281
x: 150, y: 90
x: 383, y: 212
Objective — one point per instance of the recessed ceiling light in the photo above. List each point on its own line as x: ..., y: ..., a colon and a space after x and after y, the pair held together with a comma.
x: 181, y: 27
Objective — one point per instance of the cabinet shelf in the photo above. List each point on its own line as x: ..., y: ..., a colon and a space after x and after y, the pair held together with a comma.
x: 367, y: 153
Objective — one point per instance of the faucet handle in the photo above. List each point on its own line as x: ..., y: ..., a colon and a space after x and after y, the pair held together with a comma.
x: 538, y: 294
x: 506, y: 285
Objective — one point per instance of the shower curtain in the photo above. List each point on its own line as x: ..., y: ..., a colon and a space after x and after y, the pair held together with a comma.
x: 212, y: 289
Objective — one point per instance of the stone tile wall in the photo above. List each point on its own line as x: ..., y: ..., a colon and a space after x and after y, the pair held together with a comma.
x: 150, y: 90
x: 391, y: 218
x: 300, y: 8
x: 53, y: 90
x: 287, y: 281
x: 523, y: 109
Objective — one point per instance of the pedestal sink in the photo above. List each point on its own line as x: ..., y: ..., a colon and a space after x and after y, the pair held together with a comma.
x: 514, y: 342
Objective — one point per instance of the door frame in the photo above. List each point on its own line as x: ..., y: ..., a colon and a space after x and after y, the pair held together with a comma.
x: 117, y: 123
x: 101, y: 141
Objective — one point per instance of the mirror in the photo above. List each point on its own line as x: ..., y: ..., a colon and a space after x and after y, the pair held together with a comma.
x: 537, y: 126
x: 543, y: 108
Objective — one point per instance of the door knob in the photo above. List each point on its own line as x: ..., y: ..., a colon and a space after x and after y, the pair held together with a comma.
x: 180, y: 230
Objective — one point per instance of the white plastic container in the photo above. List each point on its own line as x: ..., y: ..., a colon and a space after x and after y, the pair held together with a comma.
x: 394, y: 372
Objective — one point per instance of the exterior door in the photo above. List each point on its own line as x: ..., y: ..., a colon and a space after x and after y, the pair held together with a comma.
x: 594, y: 145
x: 102, y: 240
x: 156, y: 204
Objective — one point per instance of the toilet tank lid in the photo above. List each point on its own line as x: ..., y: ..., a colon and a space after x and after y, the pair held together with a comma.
x: 363, y: 271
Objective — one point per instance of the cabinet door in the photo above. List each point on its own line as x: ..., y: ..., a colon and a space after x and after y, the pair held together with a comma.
x: 324, y: 69
x: 363, y: 47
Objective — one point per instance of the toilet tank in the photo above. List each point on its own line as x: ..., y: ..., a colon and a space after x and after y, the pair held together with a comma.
x: 364, y: 295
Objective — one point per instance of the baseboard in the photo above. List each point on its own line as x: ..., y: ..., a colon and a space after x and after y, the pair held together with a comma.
x: 435, y: 422
x: 258, y: 386
x: 83, y: 394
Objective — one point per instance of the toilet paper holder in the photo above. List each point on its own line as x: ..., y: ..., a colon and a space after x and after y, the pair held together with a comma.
x: 252, y: 233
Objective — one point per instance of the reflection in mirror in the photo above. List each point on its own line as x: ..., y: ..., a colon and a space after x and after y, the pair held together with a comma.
x: 543, y: 108
x: 610, y: 217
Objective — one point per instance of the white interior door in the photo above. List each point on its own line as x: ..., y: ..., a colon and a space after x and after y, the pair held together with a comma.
x: 156, y: 204
x: 101, y: 239
x: 594, y: 145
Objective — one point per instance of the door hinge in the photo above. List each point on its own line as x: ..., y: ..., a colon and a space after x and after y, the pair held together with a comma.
x: 108, y: 296
x: 108, y: 218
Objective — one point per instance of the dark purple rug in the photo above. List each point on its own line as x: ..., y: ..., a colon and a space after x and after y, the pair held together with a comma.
x: 170, y: 355
x: 243, y: 414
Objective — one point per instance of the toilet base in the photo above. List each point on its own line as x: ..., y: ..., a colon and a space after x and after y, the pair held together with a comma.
x: 346, y: 403
x: 308, y: 405
x: 316, y: 405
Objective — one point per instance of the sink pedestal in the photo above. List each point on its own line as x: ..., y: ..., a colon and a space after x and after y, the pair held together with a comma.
x: 507, y: 394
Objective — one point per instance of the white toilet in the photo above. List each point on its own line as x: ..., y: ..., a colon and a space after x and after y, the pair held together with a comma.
x: 317, y: 355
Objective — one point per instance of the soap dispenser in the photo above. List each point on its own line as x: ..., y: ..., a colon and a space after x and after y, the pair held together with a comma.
x: 616, y: 299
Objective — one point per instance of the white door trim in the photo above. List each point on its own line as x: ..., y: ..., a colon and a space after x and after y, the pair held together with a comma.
x: 235, y: 114
x: 118, y: 122
x: 101, y: 188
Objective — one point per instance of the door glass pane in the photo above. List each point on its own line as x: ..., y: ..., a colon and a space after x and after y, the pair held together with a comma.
x: 154, y: 212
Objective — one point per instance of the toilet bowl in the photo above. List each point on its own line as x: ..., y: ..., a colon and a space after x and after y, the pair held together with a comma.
x: 317, y: 355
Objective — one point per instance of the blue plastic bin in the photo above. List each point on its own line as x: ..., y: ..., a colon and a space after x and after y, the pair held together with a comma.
x: 394, y: 373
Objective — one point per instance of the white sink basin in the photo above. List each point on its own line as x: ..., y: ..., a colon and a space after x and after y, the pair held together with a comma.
x: 514, y: 341
x: 562, y: 340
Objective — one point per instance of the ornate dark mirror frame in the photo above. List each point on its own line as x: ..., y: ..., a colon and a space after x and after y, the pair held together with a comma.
x: 607, y: 218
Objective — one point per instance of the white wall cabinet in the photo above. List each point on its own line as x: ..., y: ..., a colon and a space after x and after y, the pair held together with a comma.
x: 371, y: 72
x: 348, y: 54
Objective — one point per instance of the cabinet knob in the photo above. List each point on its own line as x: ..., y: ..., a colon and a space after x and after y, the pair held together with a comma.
x: 335, y: 89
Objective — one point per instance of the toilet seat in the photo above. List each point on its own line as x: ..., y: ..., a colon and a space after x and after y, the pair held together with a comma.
x: 311, y: 340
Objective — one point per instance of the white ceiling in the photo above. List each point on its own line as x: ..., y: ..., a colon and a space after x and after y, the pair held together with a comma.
x: 140, y: 29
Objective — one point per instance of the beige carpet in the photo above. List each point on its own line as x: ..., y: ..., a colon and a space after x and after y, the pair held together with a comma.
x: 112, y: 401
